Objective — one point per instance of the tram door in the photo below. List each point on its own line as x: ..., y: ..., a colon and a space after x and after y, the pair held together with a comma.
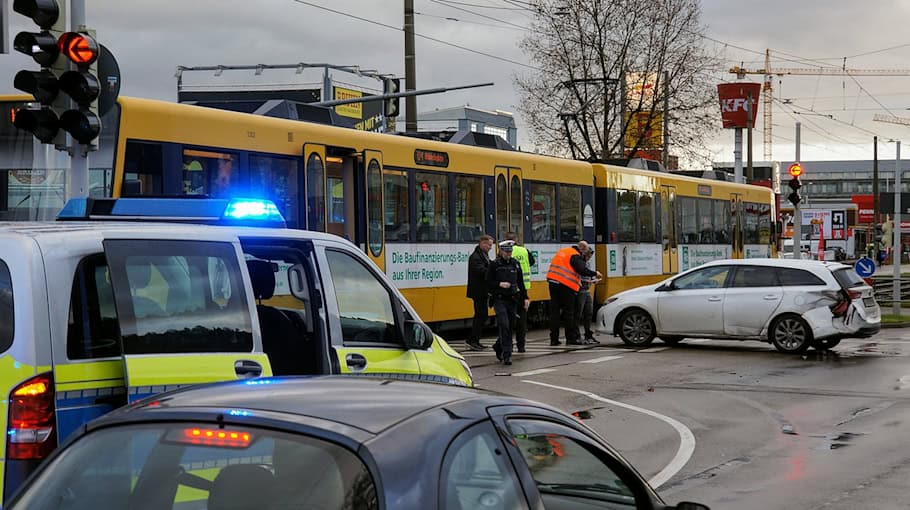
x: 736, y: 209
x: 668, y: 229
x: 315, y: 189
x: 375, y: 206
x: 508, y: 203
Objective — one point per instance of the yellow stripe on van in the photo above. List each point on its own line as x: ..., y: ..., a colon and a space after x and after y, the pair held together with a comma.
x: 171, y: 369
x: 95, y: 374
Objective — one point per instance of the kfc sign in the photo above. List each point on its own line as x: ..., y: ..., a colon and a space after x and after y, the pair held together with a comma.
x: 733, y: 103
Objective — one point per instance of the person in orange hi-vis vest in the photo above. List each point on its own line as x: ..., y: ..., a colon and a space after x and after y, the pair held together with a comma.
x: 564, y: 278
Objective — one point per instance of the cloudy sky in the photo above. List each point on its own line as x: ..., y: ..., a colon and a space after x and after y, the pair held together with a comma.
x: 150, y: 39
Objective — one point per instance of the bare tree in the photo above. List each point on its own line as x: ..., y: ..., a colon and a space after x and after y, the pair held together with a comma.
x: 592, y: 53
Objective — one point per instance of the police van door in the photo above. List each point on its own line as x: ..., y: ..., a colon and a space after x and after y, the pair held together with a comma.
x: 374, y: 207
x: 185, y: 314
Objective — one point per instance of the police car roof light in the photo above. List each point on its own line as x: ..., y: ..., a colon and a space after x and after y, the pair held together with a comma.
x: 214, y: 211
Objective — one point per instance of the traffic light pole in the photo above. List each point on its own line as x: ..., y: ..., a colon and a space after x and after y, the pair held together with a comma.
x: 898, y: 248
x: 77, y: 185
x: 797, y: 216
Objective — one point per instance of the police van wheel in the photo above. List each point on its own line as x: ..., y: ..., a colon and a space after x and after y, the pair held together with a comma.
x: 636, y: 327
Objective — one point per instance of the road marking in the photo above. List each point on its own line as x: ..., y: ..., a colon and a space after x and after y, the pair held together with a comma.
x: 699, y: 341
x: 534, y: 372
x: 686, y: 437
x: 654, y: 349
x: 601, y: 359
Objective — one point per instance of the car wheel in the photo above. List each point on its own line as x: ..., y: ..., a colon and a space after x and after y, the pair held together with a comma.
x: 636, y: 327
x: 790, y: 334
x: 825, y: 344
x: 672, y: 339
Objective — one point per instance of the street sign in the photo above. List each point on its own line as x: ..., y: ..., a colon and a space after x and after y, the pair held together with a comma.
x: 838, y: 224
x: 865, y: 267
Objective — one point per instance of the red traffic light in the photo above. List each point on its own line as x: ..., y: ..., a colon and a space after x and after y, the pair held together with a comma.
x: 80, y: 48
x: 795, y: 170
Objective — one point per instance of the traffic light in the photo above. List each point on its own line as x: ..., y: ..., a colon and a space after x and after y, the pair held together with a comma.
x: 80, y: 85
x: 42, y: 85
x: 794, y: 196
x: 391, y: 86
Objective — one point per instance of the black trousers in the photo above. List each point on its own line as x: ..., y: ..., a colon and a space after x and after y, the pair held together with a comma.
x: 481, y: 312
x: 521, y: 325
x: 562, y: 305
x: 584, y: 309
x: 505, y: 321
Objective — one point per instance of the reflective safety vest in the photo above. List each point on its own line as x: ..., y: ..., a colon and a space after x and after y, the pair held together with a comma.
x: 561, y: 269
x: 520, y: 253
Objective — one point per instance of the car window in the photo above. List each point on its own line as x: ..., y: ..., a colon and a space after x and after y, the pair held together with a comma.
x: 754, y: 276
x: 364, y: 303
x: 92, y: 329
x: 565, y: 468
x: 179, y: 296
x: 7, y: 319
x: 793, y: 277
x: 476, y: 474
x: 187, y: 465
x: 847, y: 278
x: 708, y: 278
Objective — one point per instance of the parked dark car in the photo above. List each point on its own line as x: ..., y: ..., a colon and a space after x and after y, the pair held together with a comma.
x: 336, y: 443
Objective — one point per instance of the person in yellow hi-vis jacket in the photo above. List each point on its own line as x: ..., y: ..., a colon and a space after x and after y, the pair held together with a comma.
x: 525, y: 259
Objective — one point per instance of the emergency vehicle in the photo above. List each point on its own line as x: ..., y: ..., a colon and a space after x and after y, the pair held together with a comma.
x: 97, y: 314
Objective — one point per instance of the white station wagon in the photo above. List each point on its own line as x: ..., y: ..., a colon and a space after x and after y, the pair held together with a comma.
x: 793, y: 304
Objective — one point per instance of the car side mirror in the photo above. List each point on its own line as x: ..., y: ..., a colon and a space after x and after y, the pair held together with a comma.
x: 417, y: 335
x: 665, y: 287
x: 688, y: 505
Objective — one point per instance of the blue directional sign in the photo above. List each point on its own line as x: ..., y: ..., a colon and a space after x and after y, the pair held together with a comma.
x: 865, y: 267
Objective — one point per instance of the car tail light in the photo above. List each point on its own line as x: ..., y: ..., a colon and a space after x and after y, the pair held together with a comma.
x: 853, y: 294
x: 30, y: 434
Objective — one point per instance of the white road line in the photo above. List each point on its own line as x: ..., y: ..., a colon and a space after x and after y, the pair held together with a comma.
x: 699, y: 341
x: 534, y: 372
x: 654, y: 349
x: 686, y: 437
x: 601, y: 359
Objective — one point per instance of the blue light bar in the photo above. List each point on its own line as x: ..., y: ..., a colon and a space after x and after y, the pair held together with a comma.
x: 210, y: 211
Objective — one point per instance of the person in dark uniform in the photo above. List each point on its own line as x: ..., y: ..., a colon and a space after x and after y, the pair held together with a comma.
x: 478, y: 263
x: 564, y: 277
x: 585, y: 304
x: 506, y: 285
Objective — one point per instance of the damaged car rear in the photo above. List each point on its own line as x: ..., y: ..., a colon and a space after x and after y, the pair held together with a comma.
x: 792, y: 304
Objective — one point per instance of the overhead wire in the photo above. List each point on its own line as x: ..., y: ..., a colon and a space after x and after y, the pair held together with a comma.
x: 449, y: 18
x: 447, y: 4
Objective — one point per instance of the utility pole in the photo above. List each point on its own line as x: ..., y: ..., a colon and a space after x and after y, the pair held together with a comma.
x: 666, y: 121
x: 797, y: 216
x: 749, y: 175
x: 410, y: 68
x: 896, y: 303
x: 875, y: 239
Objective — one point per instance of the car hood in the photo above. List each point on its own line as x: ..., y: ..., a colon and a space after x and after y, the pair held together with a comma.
x: 639, y: 290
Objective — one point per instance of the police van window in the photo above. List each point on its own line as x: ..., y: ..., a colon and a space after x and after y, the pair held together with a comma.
x: 570, y: 213
x: 432, y: 207
x: 276, y: 179
x: 7, y: 319
x: 626, y: 217
x: 179, y: 296
x: 92, y: 328
x: 397, y: 207
x: 468, y: 208
x: 364, y: 303
x: 209, y: 173
x: 143, y: 169
x: 543, y: 212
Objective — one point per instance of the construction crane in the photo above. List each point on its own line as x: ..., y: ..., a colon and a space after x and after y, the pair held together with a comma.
x: 768, y: 94
x: 891, y: 119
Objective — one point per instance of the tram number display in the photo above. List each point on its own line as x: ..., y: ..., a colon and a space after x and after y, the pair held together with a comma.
x: 431, y: 158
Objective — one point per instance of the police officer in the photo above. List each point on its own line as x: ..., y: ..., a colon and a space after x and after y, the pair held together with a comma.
x: 525, y: 259
x: 508, y: 292
x: 564, y: 277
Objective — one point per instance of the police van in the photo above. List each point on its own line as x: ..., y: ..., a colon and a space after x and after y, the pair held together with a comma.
x: 97, y: 314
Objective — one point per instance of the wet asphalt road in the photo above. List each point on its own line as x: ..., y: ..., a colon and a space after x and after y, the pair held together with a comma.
x: 823, y: 430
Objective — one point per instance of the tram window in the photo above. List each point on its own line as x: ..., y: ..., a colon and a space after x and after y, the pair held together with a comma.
x: 705, y: 221
x: 432, y: 207
x: 626, y: 216
x: 468, y: 208
x: 276, y: 179
x: 209, y: 173
x: 722, y: 222
x: 144, y: 163
x: 764, y: 224
x: 646, y: 218
x: 570, y: 214
x: 543, y: 212
x: 315, y: 185
x: 397, y: 207
x: 688, y: 222
x: 752, y: 217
